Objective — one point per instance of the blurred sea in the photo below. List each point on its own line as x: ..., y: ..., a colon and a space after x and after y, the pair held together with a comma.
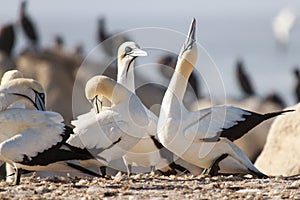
x: 228, y: 30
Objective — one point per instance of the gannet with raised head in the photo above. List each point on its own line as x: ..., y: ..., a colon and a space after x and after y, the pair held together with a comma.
x: 204, y: 137
x: 108, y: 134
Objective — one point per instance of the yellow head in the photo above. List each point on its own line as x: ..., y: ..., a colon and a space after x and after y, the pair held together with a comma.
x: 101, y: 86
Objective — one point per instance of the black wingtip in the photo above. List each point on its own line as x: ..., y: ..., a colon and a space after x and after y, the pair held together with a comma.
x: 274, y: 114
x: 82, y: 169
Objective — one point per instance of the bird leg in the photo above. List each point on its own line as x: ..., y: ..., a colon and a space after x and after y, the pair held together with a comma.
x: 129, y: 169
x: 214, y: 167
x: 152, y: 170
x: 17, y: 176
x: 103, y: 171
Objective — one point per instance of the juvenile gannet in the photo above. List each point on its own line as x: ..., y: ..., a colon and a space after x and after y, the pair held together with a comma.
x: 108, y: 134
x: 28, y: 26
x: 110, y: 42
x: 297, y: 85
x: 204, y: 137
x: 244, y: 80
x: 7, y: 39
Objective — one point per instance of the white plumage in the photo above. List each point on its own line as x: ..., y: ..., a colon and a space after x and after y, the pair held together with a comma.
x: 108, y: 134
x: 282, y: 25
x: 210, y: 122
x: 28, y: 136
x: 5, y: 134
x: 145, y: 153
x: 22, y: 89
x: 41, y: 130
x: 10, y: 75
x: 204, y: 137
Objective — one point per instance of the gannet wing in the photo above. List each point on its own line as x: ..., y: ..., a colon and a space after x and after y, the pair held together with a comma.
x: 209, y: 123
x: 32, y: 141
x: 99, y: 131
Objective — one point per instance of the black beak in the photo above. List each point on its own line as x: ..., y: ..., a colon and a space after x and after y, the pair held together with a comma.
x: 95, y: 104
x: 190, y: 40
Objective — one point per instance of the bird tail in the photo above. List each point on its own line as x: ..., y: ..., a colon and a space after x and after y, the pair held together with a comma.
x: 258, y: 174
x: 82, y: 169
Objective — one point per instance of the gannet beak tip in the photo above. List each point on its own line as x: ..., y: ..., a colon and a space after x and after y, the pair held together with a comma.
x: 191, y: 38
x: 192, y: 32
x: 138, y: 52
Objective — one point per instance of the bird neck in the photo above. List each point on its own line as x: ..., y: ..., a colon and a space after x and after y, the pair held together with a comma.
x: 180, y: 78
x: 125, y: 77
x: 102, y: 31
x: 7, y: 100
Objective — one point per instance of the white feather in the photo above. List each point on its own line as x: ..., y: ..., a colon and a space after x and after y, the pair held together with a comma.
x: 125, y: 122
x: 182, y: 131
x: 41, y: 131
x: 207, y: 123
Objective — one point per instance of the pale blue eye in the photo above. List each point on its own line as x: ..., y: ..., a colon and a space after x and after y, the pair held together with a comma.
x: 128, y: 49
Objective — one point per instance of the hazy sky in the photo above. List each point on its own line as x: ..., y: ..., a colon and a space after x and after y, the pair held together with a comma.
x: 227, y: 29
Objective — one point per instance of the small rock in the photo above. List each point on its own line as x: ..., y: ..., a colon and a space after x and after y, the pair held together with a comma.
x: 82, y: 182
x: 42, y: 189
x: 52, y: 187
x: 93, y: 190
x: 248, y: 176
x: 257, y: 191
x: 296, y: 184
x: 119, y: 174
x: 138, y: 176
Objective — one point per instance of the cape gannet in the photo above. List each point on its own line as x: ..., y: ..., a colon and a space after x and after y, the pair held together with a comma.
x: 108, y: 134
x: 204, y: 137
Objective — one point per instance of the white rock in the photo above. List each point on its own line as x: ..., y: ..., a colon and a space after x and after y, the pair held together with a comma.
x: 41, y: 190
x: 281, y: 154
x: 257, y: 191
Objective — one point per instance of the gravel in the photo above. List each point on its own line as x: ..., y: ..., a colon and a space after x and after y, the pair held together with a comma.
x: 145, y: 186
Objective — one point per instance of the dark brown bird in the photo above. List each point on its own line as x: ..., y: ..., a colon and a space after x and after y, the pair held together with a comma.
x: 297, y: 87
x: 28, y: 26
x: 7, y: 39
x: 276, y: 99
x: 111, y: 41
x: 244, y: 80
